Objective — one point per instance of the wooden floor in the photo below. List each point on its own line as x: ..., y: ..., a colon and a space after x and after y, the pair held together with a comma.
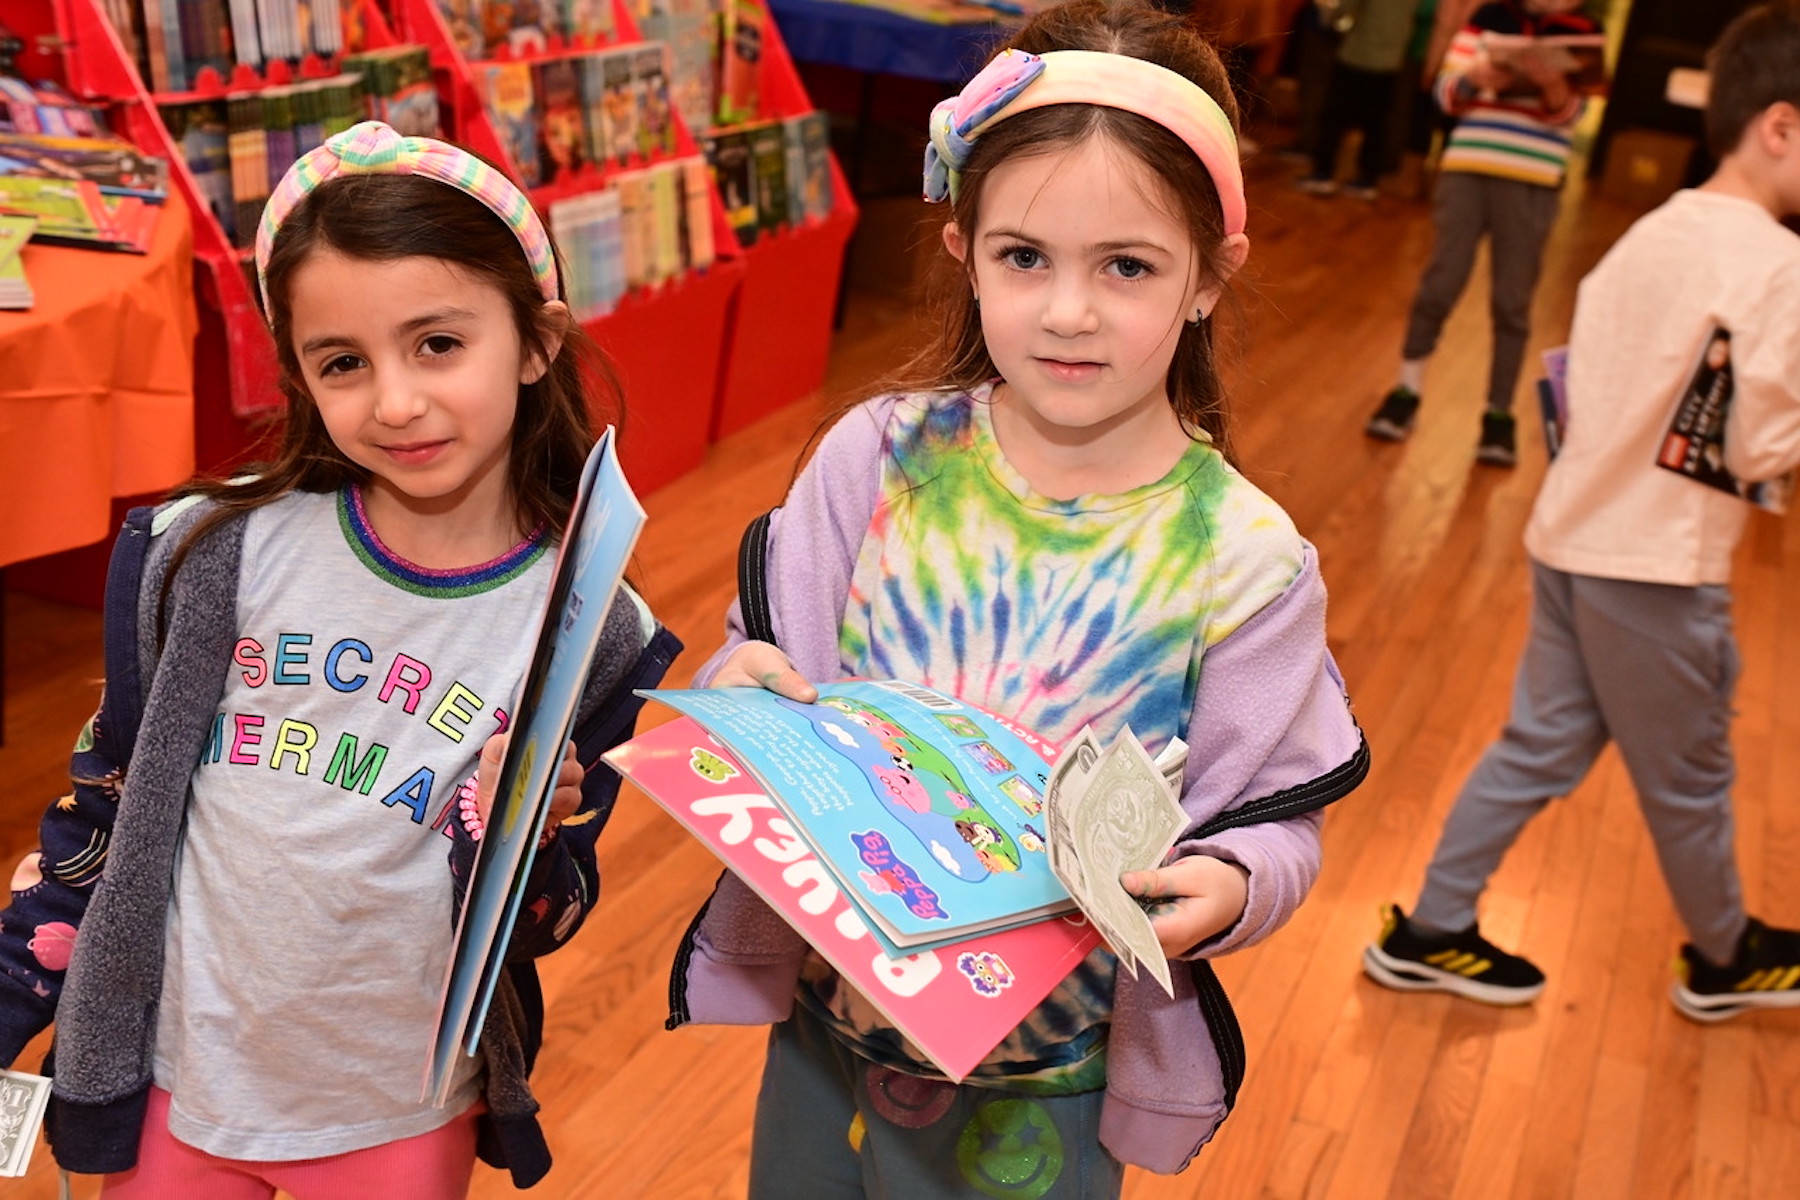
x: 1599, y: 1090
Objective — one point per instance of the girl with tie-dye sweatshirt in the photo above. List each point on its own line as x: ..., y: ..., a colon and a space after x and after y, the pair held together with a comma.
x: 1052, y: 529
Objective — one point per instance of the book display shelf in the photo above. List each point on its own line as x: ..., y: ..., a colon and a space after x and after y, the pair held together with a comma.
x: 780, y: 334
x: 667, y: 341
x: 701, y: 353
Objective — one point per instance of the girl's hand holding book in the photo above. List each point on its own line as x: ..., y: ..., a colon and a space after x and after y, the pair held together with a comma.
x: 758, y: 664
x: 1190, y: 900
x: 564, y: 800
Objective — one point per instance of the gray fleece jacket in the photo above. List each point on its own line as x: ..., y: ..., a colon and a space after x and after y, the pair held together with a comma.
x: 108, y: 852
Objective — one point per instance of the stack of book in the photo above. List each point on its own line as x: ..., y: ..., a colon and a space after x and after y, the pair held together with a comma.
x: 644, y: 227
x: 119, y: 167
x: 772, y: 173
x: 15, y: 288
x: 240, y: 145
x: 74, y: 212
x: 609, y: 108
x: 172, y: 41
x: 45, y: 107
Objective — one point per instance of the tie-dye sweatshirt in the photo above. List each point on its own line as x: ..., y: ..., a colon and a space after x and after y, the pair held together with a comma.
x: 910, y: 547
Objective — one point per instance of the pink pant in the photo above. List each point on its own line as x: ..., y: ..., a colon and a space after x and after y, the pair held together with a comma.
x: 431, y: 1166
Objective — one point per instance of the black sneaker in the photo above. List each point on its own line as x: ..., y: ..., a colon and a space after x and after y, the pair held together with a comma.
x: 1764, y: 974
x: 1496, y: 446
x: 1465, y: 964
x: 1317, y: 185
x: 1394, y: 419
x: 1362, y: 189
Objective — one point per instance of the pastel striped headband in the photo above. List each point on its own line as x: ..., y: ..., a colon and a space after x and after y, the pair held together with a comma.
x: 373, y: 148
x: 1016, y: 81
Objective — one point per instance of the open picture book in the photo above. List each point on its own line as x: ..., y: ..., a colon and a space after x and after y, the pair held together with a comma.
x: 949, y: 864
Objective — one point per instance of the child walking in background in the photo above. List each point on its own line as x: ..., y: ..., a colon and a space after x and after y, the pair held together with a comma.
x: 1365, y: 81
x: 1052, y: 528
x: 1631, y: 634
x: 1499, y: 177
x: 302, y: 667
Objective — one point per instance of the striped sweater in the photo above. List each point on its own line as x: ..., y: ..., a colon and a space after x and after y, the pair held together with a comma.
x: 1513, y: 137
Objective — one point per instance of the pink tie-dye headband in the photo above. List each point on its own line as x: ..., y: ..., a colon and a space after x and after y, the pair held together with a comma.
x: 373, y: 148
x: 1016, y: 81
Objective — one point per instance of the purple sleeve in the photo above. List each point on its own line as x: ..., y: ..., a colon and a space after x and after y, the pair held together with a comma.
x: 1270, y: 719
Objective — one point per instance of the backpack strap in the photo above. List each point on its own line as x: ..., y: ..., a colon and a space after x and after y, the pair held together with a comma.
x: 753, y: 580
x: 123, y: 701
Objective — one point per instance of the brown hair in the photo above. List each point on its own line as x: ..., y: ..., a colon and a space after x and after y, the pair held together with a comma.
x: 960, y: 358
x: 1755, y: 63
x: 381, y: 218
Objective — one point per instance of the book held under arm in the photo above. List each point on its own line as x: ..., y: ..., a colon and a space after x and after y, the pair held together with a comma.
x: 1694, y: 445
x: 597, y: 542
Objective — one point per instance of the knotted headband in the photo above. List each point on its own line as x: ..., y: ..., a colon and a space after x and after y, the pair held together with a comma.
x: 372, y: 148
x: 1016, y: 81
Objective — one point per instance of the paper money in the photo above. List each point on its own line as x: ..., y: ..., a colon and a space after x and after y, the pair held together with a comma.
x: 23, y: 1098
x: 1108, y: 813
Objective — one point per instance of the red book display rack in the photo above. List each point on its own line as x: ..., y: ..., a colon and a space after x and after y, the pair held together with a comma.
x: 780, y: 336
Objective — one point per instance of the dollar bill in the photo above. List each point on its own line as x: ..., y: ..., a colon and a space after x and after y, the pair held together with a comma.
x: 1117, y: 815
x: 23, y: 1099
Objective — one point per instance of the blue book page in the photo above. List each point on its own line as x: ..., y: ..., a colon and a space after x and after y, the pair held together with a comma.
x: 602, y: 531
x: 928, y: 811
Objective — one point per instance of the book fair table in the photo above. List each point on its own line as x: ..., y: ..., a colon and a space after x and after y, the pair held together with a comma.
x: 96, y: 389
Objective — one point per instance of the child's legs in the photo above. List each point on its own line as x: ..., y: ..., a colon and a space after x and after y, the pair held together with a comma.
x: 1334, y: 121
x: 914, y: 1139
x: 805, y: 1114
x: 432, y: 1166
x: 1374, y: 116
x: 1671, y: 665
x: 1552, y: 737
x: 167, y: 1168
x: 1519, y: 219
x: 1458, y: 220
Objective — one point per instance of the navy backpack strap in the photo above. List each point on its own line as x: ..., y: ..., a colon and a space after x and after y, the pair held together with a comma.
x: 753, y: 580
x: 124, y: 699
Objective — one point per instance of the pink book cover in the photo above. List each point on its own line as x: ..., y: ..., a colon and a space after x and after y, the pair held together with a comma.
x: 955, y: 1003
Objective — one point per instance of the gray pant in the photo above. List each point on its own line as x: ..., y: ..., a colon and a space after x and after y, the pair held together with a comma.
x: 1650, y: 666
x: 1516, y: 218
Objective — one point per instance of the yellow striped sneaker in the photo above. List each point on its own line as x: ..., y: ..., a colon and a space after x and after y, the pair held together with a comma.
x: 1765, y: 973
x: 1465, y: 963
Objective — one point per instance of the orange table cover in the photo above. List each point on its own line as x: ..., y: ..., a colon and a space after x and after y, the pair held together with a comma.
x: 96, y: 388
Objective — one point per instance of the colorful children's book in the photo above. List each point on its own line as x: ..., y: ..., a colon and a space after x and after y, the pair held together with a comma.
x: 734, y: 174
x: 200, y: 132
x: 955, y: 1003
x: 1694, y: 445
x: 740, y: 61
x: 506, y: 93
x: 655, y: 111
x: 590, y: 561
x: 68, y: 212
x: 928, y: 811
x: 619, y: 105
x: 15, y: 286
x: 463, y: 19
x: 698, y: 250
x: 562, y: 133
x: 768, y: 161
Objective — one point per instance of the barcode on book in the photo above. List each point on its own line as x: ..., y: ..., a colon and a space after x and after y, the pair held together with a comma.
x: 925, y: 696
